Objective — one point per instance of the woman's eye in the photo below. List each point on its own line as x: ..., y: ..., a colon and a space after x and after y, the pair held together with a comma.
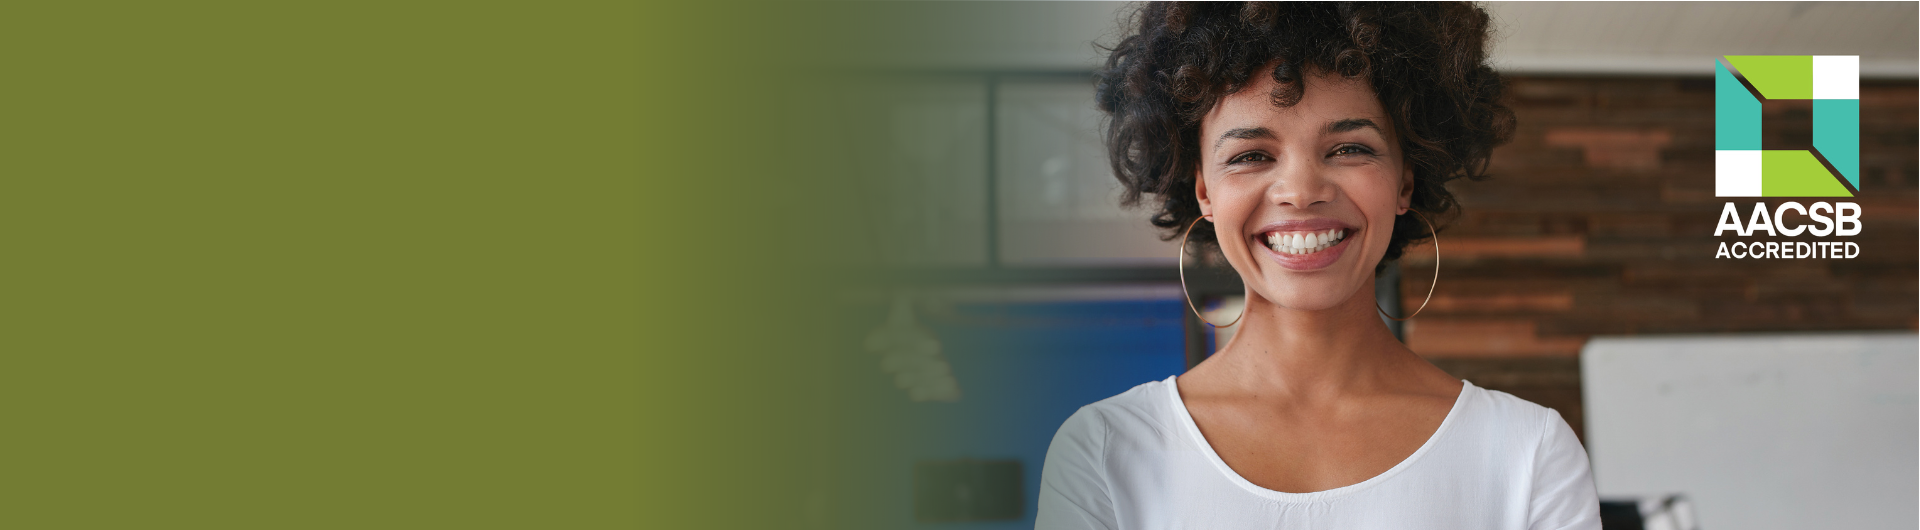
x: 1352, y: 149
x: 1249, y: 157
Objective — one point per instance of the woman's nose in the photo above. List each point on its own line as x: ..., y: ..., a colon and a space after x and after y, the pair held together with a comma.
x: 1301, y: 184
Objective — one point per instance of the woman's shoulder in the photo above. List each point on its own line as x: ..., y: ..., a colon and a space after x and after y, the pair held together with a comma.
x: 1536, y: 446
x: 1149, y: 397
x: 1511, y: 410
x: 1145, y: 406
x: 1075, y: 479
x: 1505, y: 419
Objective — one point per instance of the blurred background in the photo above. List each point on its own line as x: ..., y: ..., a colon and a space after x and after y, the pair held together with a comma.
x: 842, y: 265
x: 996, y: 285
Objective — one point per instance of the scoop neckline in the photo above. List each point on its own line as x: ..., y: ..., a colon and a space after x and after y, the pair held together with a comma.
x: 1193, y: 431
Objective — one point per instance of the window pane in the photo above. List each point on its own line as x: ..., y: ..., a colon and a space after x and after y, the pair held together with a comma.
x: 1059, y: 202
x: 920, y: 148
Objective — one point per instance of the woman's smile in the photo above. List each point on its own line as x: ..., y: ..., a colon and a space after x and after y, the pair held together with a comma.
x: 1304, y: 245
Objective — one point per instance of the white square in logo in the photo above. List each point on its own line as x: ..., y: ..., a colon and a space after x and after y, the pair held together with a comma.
x: 1836, y: 77
x: 1736, y: 173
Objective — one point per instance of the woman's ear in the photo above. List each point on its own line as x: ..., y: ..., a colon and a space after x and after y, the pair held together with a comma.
x: 1406, y: 190
x: 1200, y: 193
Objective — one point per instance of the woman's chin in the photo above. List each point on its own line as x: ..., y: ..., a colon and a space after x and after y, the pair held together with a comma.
x: 1305, y: 298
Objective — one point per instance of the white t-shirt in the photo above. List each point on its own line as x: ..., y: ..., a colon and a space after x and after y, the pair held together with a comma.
x: 1137, y: 460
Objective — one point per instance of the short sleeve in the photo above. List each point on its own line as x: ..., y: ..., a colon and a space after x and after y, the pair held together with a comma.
x: 1563, y: 492
x: 1073, y: 484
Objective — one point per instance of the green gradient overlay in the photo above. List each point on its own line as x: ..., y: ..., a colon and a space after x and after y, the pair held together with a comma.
x: 341, y: 265
x: 744, y: 209
x: 390, y: 265
x: 496, y: 265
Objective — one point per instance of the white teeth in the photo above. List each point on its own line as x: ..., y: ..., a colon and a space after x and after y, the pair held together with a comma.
x: 1305, y: 243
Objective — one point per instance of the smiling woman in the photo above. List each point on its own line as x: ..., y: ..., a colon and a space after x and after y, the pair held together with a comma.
x: 1287, y: 176
x: 1305, y: 142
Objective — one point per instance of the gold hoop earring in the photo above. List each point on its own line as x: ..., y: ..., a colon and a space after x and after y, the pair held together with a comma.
x: 1181, y: 260
x: 1436, y: 272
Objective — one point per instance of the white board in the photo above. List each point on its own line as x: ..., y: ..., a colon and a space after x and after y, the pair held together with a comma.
x: 1761, y: 431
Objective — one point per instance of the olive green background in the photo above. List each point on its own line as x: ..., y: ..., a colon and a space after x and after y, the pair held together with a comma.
x: 403, y: 265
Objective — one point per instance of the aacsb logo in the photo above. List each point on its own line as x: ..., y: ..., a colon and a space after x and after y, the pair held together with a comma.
x: 1830, y: 169
x: 1743, y: 169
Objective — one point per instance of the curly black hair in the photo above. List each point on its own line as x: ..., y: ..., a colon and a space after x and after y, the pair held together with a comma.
x: 1425, y: 61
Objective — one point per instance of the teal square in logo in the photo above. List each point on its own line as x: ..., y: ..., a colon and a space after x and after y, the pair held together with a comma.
x: 1836, y: 134
x: 1736, y: 113
x: 1743, y: 169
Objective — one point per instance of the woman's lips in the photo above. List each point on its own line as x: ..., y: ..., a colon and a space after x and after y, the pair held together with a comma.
x: 1305, y: 250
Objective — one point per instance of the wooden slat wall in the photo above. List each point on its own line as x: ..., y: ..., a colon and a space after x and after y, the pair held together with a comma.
x: 1599, y: 220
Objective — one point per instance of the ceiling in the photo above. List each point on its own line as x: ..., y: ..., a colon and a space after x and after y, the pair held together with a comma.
x: 1620, y: 38
x: 1684, y: 37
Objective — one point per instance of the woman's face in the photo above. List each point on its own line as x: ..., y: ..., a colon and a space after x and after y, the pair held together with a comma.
x: 1303, y: 198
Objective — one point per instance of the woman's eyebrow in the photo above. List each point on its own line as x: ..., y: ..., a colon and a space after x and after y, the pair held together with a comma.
x: 1350, y: 124
x: 1243, y: 133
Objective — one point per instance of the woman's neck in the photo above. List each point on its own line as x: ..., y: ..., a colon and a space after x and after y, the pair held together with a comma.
x: 1310, y: 355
